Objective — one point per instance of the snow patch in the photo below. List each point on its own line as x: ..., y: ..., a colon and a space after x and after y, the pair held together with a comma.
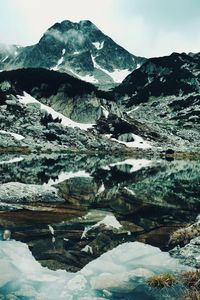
x: 60, y: 61
x: 87, y: 249
x: 138, y: 66
x: 134, y: 109
x: 104, y: 111
x: 88, y: 78
x: 66, y: 122
x: 66, y: 176
x: 117, y: 75
x: 84, y: 233
x: 109, y: 221
x: 18, y: 137
x: 11, y: 161
x: 139, y: 142
x: 136, y: 164
x: 129, y: 191
x: 98, y: 45
x: 127, y: 264
x: 101, y: 189
x: 4, y: 59
x: 51, y: 229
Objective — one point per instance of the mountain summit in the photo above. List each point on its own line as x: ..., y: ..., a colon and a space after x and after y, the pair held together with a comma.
x: 79, y: 49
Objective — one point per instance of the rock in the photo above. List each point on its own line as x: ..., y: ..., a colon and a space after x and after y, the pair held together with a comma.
x: 190, y: 254
x: 16, y: 192
x: 182, y: 236
x: 11, y: 102
x: 5, y: 86
x: 7, y: 141
x: 6, y: 235
x: 169, y: 152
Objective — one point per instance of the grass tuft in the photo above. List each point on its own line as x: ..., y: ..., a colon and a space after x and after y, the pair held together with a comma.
x: 160, y: 281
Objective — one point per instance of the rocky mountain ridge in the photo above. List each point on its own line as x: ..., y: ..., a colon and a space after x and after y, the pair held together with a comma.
x: 155, y: 107
x: 164, y: 95
x: 79, y: 49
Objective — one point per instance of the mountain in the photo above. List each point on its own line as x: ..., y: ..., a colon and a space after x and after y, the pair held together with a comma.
x: 8, y: 53
x: 79, y: 49
x: 157, y: 106
x: 164, y: 94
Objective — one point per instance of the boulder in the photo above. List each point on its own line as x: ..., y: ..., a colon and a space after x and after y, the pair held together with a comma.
x: 16, y: 192
x: 190, y: 254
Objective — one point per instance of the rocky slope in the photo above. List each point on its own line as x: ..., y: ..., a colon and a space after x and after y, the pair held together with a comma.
x: 70, y: 112
x: 50, y: 109
x: 79, y: 49
x: 164, y: 94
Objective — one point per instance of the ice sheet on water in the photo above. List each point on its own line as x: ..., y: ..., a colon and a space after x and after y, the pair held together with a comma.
x: 124, y: 268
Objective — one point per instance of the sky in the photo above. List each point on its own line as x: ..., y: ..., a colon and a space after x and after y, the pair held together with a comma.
x: 144, y: 27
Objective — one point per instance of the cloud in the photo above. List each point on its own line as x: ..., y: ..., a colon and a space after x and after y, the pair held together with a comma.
x: 160, y: 27
x: 71, y: 34
x: 144, y: 27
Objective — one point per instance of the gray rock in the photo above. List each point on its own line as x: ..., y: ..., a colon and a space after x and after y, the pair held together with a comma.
x: 5, y: 86
x: 190, y: 254
x: 15, y: 192
x: 11, y: 102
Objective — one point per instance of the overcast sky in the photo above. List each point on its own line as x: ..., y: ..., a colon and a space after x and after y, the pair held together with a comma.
x: 144, y: 27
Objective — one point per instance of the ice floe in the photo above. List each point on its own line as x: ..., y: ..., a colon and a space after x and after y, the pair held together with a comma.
x: 122, y: 270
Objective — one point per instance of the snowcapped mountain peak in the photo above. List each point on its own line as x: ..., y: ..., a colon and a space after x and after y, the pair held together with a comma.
x: 71, y: 47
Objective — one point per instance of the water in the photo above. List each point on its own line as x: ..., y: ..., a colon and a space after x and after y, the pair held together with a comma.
x: 109, y: 201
